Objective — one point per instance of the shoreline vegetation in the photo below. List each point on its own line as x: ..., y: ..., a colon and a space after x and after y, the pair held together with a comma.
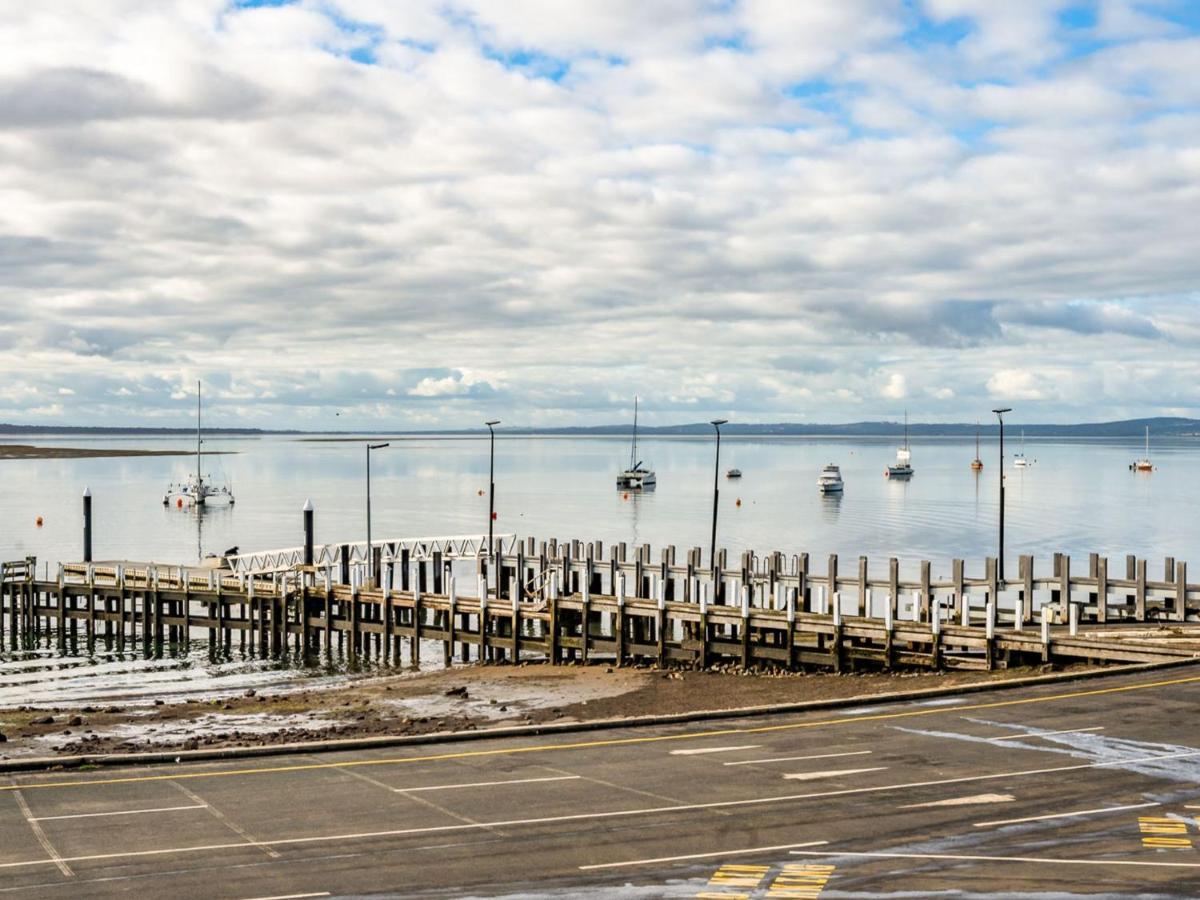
x: 1162, y: 426
x: 29, y: 451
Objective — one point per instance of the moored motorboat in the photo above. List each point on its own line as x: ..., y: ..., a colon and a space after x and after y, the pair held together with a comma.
x: 830, y: 480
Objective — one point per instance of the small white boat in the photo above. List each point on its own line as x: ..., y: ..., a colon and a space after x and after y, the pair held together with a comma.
x: 196, y: 490
x: 902, y: 469
x: 830, y: 481
x: 1019, y: 459
x: 734, y: 473
x: 1144, y: 464
x: 637, y: 477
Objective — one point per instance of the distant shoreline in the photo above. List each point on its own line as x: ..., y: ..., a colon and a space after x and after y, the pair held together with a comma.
x: 1160, y: 427
x: 28, y: 451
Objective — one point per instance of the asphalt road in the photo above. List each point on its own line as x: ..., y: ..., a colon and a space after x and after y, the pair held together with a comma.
x: 1080, y: 789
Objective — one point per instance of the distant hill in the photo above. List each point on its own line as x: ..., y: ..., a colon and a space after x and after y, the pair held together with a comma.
x: 1159, y: 427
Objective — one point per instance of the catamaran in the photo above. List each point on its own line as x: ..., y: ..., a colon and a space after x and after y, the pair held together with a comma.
x: 903, y: 467
x: 637, y: 477
x: 1144, y: 464
x: 197, y: 490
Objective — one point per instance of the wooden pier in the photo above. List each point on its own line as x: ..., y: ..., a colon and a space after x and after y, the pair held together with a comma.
x: 564, y: 602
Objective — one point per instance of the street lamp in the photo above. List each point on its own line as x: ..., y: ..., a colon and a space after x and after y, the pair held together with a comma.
x: 370, y: 552
x: 712, y: 550
x: 1000, y: 415
x: 491, y: 480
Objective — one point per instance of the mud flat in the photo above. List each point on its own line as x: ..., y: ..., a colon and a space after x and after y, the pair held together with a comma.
x: 450, y: 700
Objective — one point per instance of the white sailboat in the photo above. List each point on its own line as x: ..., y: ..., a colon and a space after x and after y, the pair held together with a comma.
x: 197, y: 490
x: 902, y: 468
x: 1019, y: 459
x: 977, y: 462
x: 637, y: 477
x: 1144, y: 464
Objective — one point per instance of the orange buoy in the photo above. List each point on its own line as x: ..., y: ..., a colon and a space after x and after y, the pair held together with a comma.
x: 39, y: 521
x: 495, y: 516
x: 179, y: 503
x: 625, y: 496
x: 481, y: 492
x: 739, y: 502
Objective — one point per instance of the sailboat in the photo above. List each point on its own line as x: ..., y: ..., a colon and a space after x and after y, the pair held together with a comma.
x: 1019, y: 459
x: 903, y: 467
x: 1144, y: 464
x: 977, y: 462
x: 637, y: 477
x: 196, y: 490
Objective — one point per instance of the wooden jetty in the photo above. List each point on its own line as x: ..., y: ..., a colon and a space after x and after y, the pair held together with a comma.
x: 563, y: 602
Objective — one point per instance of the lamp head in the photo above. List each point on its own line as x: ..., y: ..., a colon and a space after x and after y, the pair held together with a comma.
x: 717, y: 423
x: 377, y: 446
x: 492, y: 422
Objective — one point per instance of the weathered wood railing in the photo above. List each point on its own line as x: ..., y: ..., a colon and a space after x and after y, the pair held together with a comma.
x: 567, y: 602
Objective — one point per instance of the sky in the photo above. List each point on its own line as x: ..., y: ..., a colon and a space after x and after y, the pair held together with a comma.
x: 367, y: 213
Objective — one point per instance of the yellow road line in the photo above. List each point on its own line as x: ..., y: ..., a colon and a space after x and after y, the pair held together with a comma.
x: 610, y: 742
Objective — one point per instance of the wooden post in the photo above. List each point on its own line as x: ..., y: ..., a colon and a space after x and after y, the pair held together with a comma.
x: 957, y: 578
x: 926, y: 590
x: 1181, y: 591
x: 1026, y: 604
x: 831, y: 576
x: 893, y: 600
x: 1064, y: 583
x: 1102, y: 589
x: 863, y: 611
x: 1139, y: 597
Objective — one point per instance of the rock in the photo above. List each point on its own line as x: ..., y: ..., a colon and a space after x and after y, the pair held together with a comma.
x: 75, y: 721
x: 3, y: 738
x: 113, y: 709
x: 458, y: 692
x: 158, y: 703
x: 44, y: 720
x: 250, y: 693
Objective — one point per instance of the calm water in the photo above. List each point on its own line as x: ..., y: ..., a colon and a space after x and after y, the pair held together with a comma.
x: 1078, y: 497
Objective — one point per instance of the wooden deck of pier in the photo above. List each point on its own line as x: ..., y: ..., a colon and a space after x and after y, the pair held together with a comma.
x: 567, y: 602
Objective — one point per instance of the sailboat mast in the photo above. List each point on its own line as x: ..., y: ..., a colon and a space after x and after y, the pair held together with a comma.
x: 633, y: 448
x: 1147, y: 442
x: 906, y: 429
x: 199, y: 477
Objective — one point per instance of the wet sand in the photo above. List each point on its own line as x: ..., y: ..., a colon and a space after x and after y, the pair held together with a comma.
x: 449, y: 700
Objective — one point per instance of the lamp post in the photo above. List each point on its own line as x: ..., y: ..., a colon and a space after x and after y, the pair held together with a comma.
x: 1000, y: 415
x: 370, y: 552
x: 491, y: 480
x: 712, y: 549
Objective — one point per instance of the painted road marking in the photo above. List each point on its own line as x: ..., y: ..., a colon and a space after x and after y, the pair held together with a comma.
x: 665, y: 859
x: 718, y: 804
x: 963, y: 801
x: 732, y: 875
x: 1038, y: 734
x: 702, y: 750
x: 1066, y: 815
x: 291, y: 896
x: 753, y: 762
x: 1165, y: 833
x: 123, y: 812
x: 1026, y: 859
x: 588, y: 745
x: 835, y: 773
x: 801, y: 881
x: 227, y: 822
x: 475, y: 784
x: 41, y: 836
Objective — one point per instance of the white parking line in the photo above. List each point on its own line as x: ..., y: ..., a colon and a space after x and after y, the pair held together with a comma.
x: 732, y: 852
x: 620, y: 813
x: 1066, y: 815
x: 701, y: 750
x: 123, y: 812
x: 1029, y: 859
x: 1038, y: 734
x: 291, y: 896
x: 475, y: 784
x: 833, y: 773
x: 751, y: 762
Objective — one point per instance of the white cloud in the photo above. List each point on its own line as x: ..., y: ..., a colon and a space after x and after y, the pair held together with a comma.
x: 537, y: 211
